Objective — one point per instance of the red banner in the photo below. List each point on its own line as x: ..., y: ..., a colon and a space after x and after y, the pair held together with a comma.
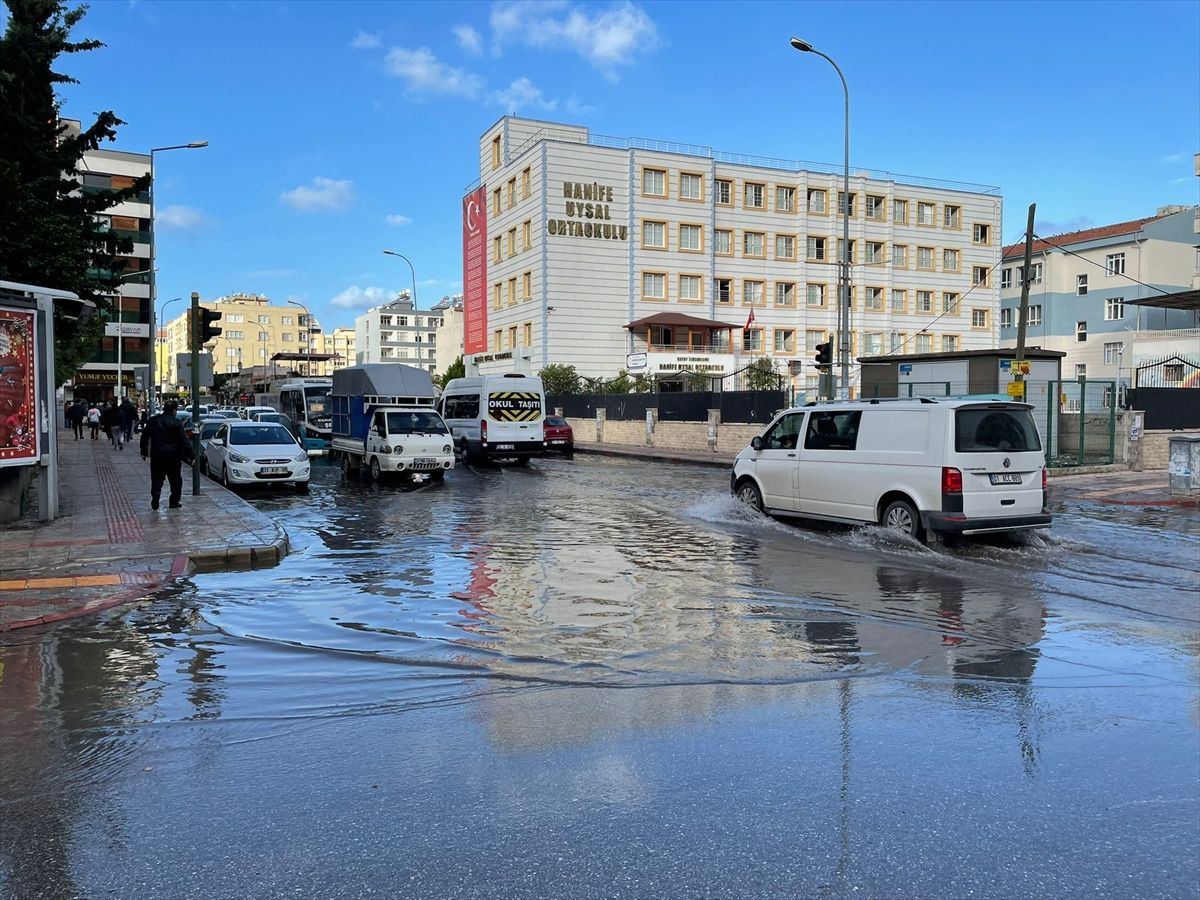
x: 18, y: 397
x: 475, y: 336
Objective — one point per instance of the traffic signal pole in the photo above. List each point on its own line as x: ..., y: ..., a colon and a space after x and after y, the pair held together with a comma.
x: 194, y: 333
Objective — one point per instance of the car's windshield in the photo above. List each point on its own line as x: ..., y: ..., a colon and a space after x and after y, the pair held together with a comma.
x: 995, y: 431
x: 208, y: 429
x: 260, y: 434
x: 555, y: 421
x: 415, y: 422
x: 278, y: 418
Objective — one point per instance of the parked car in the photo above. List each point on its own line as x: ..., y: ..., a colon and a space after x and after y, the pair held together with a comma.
x: 208, y: 430
x: 224, y: 414
x: 559, y: 437
x: 928, y: 468
x: 249, y: 412
x: 256, y: 453
x: 277, y: 418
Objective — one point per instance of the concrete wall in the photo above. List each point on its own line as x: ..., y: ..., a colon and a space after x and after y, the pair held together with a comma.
x: 1154, y: 447
x: 712, y: 436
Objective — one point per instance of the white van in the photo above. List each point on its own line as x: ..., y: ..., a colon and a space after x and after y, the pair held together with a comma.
x: 926, y: 467
x: 495, y: 416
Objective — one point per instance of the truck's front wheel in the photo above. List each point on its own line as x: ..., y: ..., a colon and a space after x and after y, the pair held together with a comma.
x: 349, y: 465
x: 376, y: 470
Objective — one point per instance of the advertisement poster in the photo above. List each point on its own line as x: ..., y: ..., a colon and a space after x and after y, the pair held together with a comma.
x: 18, y: 379
x: 475, y: 336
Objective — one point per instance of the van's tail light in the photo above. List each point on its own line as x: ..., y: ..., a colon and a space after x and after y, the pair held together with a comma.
x: 483, y: 430
x: 1045, y: 479
x: 951, y: 480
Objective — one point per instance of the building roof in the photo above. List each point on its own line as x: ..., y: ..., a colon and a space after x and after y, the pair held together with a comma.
x: 678, y: 319
x: 1080, y: 237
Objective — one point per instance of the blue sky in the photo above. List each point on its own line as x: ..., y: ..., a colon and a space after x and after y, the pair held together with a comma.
x: 338, y: 129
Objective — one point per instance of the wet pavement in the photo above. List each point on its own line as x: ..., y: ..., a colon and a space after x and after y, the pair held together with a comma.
x: 602, y: 677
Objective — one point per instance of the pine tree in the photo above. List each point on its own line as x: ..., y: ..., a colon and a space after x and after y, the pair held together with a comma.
x: 49, y: 235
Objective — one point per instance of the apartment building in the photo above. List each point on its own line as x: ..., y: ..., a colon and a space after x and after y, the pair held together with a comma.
x: 398, y: 332
x: 1085, y: 289
x: 619, y: 253
x: 340, y: 346
x: 449, y: 332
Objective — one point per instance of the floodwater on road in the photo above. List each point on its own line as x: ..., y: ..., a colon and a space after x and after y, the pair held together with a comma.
x: 600, y: 677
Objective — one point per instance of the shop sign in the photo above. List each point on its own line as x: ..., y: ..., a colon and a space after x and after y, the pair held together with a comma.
x: 588, y: 207
x: 492, y: 357
x: 636, y: 362
x: 126, y: 329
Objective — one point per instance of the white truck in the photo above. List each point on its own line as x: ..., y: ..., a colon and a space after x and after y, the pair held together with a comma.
x: 385, y: 421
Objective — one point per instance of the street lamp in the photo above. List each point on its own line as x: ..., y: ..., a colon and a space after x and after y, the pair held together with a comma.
x: 307, y: 335
x: 844, y: 269
x: 411, y: 269
x: 158, y: 342
x: 194, y: 145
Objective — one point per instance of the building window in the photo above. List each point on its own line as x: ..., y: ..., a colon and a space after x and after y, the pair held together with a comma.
x: 496, y: 202
x: 496, y: 250
x: 896, y: 344
x: 899, y: 300
x: 654, y: 235
x: 527, y: 234
x: 925, y: 258
x: 925, y: 212
x: 874, y: 298
x: 785, y: 340
x: 979, y: 275
x: 872, y: 343
x: 497, y: 337
x: 1080, y: 332
x: 752, y: 340
x: 752, y: 293
x: 512, y: 294
x: 924, y: 301
x: 874, y: 252
x: 724, y: 192
x: 785, y: 293
x: 753, y: 195
x: 512, y: 192
x: 526, y: 180
x: 815, y: 295
x: 264, y: 320
x: 497, y: 300
x: 981, y: 233
x: 785, y: 199
x: 853, y: 257
x: 690, y: 238
x: 949, y: 260
x: 811, y: 339
x: 286, y: 320
x: 1081, y: 285
x: 1035, y: 273
x: 924, y: 343
x: 496, y: 152
x: 979, y: 318
x: 654, y: 286
x: 689, y: 287
x: 1006, y: 278
x: 949, y: 302
x: 654, y: 182
x: 1035, y: 315
x: 1114, y: 308
x: 900, y: 256
x: 785, y: 246
x: 1006, y: 317
x: 900, y: 212
x: 846, y: 204
x: 287, y: 337
x: 816, y: 249
x: 528, y: 336
x: 724, y: 290
x: 723, y: 241
x: 512, y: 242
x: 1114, y: 264
x: 816, y: 201
x: 950, y: 216
x: 690, y: 186
x: 234, y: 335
x: 875, y: 206
x: 1080, y: 372
x: 526, y: 285
x: 1172, y: 373
x: 1112, y: 353
x: 949, y: 343
x: 238, y: 317
x: 754, y: 244
x: 512, y: 337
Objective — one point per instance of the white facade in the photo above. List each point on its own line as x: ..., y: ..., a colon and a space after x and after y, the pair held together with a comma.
x: 397, y: 332
x: 450, y: 332
x: 587, y: 234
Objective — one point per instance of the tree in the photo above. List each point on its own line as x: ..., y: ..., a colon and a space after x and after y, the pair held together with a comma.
x: 761, y: 375
x: 456, y: 369
x: 622, y: 384
x: 49, y: 233
x: 560, y: 379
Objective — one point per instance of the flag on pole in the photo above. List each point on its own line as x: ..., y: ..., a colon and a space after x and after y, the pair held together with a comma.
x: 749, y: 320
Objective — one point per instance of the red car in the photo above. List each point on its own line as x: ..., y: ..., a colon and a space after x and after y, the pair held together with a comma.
x: 557, y: 435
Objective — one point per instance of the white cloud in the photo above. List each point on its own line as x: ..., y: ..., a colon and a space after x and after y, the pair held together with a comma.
x: 423, y: 74
x: 397, y: 219
x: 180, y: 217
x: 362, y: 298
x: 323, y: 193
x: 523, y: 94
x: 468, y: 39
x: 576, y: 108
x: 608, y: 39
x: 365, y: 41
x: 1173, y: 158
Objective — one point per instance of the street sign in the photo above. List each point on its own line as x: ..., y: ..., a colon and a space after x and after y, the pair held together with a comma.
x: 906, y: 368
x: 1016, y: 389
x: 126, y: 329
x: 636, y: 362
x: 183, y: 366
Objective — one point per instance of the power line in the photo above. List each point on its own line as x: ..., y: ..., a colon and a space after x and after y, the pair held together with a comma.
x: 1100, y: 265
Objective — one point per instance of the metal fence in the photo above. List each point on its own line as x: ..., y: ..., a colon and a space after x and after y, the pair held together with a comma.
x: 1166, y: 407
x: 737, y: 407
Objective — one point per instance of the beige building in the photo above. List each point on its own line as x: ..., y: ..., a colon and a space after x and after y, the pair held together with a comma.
x: 449, y: 332
x: 338, y: 344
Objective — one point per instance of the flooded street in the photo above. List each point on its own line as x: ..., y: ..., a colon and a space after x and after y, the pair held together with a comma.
x: 600, y: 677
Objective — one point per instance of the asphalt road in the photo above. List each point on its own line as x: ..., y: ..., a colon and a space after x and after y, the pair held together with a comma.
x: 603, y: 678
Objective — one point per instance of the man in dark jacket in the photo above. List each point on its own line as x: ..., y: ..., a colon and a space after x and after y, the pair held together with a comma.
x: 76, y: 413
x: 128, y: 415
x: 111, y: 418
x: 166, y: 445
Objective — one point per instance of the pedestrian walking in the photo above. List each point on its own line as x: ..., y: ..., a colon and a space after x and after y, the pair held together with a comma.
x: 93, y: 419
x: 76, y: 414
x: 128, y: 416
x: 111, y: 418
x: 166, y: 445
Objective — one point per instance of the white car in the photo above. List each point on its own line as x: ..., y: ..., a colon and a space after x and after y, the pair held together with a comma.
x: 256, y: 453
x: 249, y: 412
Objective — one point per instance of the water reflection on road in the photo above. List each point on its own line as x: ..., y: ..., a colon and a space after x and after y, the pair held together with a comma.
x: 600, y: 629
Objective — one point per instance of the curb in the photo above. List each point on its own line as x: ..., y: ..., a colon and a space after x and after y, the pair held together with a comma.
x: 1187, y: 502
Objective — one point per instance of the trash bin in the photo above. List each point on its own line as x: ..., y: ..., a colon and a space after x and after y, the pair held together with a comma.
x: 1183, y: 465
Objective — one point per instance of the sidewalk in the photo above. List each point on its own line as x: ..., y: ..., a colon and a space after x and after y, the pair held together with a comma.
x: 108, y: 547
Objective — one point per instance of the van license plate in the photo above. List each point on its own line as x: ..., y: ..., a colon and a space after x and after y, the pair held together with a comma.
x: 1005, y: 478
x: 425, y: 462
x: 506, y: 447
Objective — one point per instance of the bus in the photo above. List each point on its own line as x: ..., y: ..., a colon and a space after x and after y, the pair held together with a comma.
x: 306, y: 402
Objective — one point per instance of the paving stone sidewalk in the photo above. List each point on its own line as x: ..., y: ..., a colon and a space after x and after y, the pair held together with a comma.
x: 108, y: 547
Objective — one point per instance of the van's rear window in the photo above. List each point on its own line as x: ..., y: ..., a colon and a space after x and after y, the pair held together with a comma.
x: 995, y: 431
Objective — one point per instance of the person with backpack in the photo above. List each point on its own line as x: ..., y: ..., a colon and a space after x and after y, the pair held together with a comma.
x: 93, y: 420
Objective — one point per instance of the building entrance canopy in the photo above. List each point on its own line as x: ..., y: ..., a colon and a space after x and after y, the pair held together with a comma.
x: 679, y: 320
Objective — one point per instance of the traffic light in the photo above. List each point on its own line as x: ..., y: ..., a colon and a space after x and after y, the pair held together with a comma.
x: 207, y: 331
x: 824, y: 355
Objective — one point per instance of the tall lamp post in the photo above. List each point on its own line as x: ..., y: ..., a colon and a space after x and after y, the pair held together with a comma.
x: 410, y: 269
x: 307, y: 335
x: 844, y: 268
x: 194, y: 145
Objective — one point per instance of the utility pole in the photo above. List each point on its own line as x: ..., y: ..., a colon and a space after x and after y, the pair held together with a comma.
x: 195, y: 350
x: 1023, y: 311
